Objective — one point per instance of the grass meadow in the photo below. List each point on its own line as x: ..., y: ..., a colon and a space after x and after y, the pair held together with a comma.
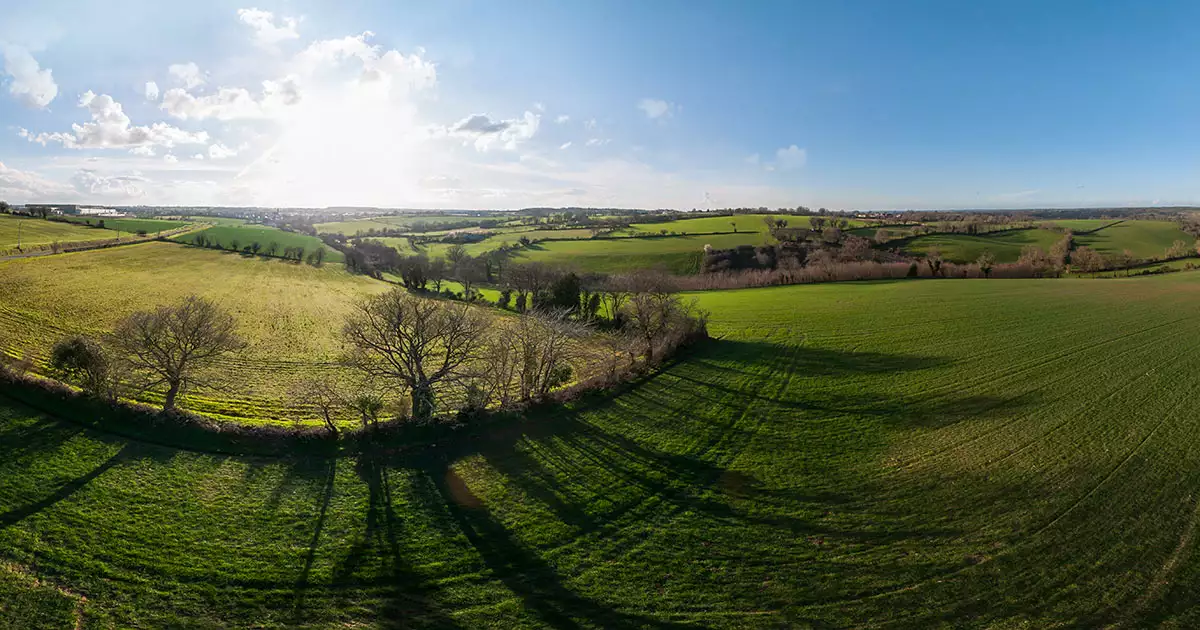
x: 290, y: 313
x: 35, y: 232
x: 675, y: 254
x: 1005, y: 246
x: 149, y: 226
x: 991, y: 453
x: 262, y: 234
x: 1144, y: 238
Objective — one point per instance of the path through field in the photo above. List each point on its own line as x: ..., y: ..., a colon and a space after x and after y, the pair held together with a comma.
x: 909, y: 454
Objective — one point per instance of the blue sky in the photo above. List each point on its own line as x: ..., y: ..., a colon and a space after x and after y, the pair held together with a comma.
x: 457, y: 104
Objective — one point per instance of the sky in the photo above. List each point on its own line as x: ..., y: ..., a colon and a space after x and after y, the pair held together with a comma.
x: 663, y: 104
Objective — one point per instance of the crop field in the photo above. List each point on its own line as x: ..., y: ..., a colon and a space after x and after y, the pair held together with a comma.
x: 978, y: 453
x: 491, y: 243
x: 675, y: 254
x: 1080, y: 225
x: 290, y: 313
x: 1005, y: 246
x: 41, y: 232
x: 1143, y: 238
x: 217, y: 220
x: 264, y: 235
x: 150, y: 226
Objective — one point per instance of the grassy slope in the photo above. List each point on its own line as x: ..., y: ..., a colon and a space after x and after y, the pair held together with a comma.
x: 41, y: 232
x: 247, y: 234
x: 289, y: 312
x: 150, y: 226
x: 350, y: 228
x: 676, y: 254
x: 1005, y: 246
x: 1025, y: 454
x: 1143, y: 238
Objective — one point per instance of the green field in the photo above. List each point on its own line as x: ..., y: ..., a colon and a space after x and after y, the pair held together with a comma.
x: 290, y: 313
x: 1005, y: 246
x: 1022, y: 454
x: 492, y: 243
x: 217, y: 220
x: 149, y: 226
x: 263, y: 235
x: 354, y: 226
x: 743, y: 223
x: 35, y: 232
x: 1144, y: 238
x: 675, y: 254
x: 1080, y: 225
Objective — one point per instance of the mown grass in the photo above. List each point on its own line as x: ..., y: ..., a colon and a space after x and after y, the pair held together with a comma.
x: 1005, y: 246
x: 1144, y: 238
x: 916, y: 454
x: 674, y: 254
x: 41, y: 232
x: 263, y: 235
x: 290, y: 313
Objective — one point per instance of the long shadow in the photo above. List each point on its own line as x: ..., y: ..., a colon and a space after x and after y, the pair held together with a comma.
x: 313, y: 544
x: 409, y: 602
x: 69, y: 488
x: 524, y: 572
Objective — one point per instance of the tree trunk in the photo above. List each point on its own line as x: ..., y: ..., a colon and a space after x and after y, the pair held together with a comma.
x: 422, y: 401
x: 172, y: 392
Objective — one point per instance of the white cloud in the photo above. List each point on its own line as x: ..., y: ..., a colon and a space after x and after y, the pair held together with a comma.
x: 589, y: 123
x: 187, y: 73
x: 91, y: 182
x: 562, y: 118
x: 219, y: 151
x: 143, y: 150
x: 791, y: 157
x: 22, y: 186
x: 111, y: 129
x: 267, y: 31
x: 564, y: 146
x: 170, y: 159
x: 597, y: 142
x: 486, y: 133
x: 31, y: 84
x: 198, y: 156
x: 655, y: 108
x: 151, y: 91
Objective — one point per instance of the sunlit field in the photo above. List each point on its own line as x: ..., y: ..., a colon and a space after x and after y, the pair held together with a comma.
x: 1022, y: 454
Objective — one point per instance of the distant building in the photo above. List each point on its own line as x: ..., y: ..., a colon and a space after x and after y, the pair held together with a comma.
x: 94, y: 211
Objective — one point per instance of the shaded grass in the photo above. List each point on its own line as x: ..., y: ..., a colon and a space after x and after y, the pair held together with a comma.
x: 964, y: 248
x: 1022, y: 454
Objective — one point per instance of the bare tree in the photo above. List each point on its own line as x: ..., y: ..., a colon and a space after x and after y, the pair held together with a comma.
x: 1087, y: 260
x: 437, y: 273
x: 933, y: 259
x: 173, y: 345
x: 420, y: 344
x: 1178, y: 249
x: 651, y: 309
x: 323, y: 394
x: 531, y: 355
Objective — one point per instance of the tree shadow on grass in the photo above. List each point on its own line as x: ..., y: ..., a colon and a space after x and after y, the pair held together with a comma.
x: 14, y: 516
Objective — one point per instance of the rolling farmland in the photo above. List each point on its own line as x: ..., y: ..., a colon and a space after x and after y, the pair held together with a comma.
x: 844, y: 455
x: 149, y: 226
x: 1143, y: 238
x: 263, y: 235
x: 676, y: 254
x: 290, y: 313
x: 34, y: 232
x: 1005, y: 246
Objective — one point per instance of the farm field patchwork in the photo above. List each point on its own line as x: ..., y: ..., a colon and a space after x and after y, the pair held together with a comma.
x: 263, y: 235
x: 34, y: 232
x: 1024, y: 454
x: 289, y: 312
x: 354, y: 226
x: 743, y: 223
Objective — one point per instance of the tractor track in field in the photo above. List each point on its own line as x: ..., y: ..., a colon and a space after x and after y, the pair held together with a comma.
x: 929, y: 456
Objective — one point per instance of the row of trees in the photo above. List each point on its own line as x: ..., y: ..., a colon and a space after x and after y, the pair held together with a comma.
x: 403, y: 347
x: 298, y: 253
